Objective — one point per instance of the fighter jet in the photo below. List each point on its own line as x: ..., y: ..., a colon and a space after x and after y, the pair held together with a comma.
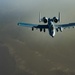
x: 49, y: 24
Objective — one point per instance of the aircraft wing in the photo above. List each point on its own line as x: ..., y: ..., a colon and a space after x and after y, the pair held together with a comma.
x: 27, y: 24
x: 65, y: 25
x: 33, y: 25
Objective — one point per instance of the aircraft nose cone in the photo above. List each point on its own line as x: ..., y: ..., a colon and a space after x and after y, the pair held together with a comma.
x: 52, y: 35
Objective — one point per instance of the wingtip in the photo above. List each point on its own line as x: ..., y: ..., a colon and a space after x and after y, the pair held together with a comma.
x: 17, y: 23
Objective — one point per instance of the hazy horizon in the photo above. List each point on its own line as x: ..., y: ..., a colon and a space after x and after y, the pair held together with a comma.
x: 23, y: 52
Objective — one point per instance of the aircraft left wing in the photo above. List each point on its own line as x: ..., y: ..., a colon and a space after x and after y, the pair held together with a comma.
x: 65, y: 25
x: 33, y: 25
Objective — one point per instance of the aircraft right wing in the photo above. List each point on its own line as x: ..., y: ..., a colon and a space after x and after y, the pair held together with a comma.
x: 27, y: 24
x: 33, y: 25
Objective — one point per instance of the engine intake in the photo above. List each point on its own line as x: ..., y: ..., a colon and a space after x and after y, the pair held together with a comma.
x: 45, y: 19
x: 55, y: 19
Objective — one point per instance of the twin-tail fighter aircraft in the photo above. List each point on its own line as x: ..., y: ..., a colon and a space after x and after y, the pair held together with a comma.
x: 49, y: 25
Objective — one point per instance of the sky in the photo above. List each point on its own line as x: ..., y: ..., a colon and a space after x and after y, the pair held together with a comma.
x: 23, y: 52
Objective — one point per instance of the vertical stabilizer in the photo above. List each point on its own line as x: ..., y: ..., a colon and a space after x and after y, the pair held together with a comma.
x: 39, y: 17
x: 59, y: 17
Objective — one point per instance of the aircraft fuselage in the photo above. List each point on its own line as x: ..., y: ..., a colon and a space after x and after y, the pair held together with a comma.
x: 51, y: 28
